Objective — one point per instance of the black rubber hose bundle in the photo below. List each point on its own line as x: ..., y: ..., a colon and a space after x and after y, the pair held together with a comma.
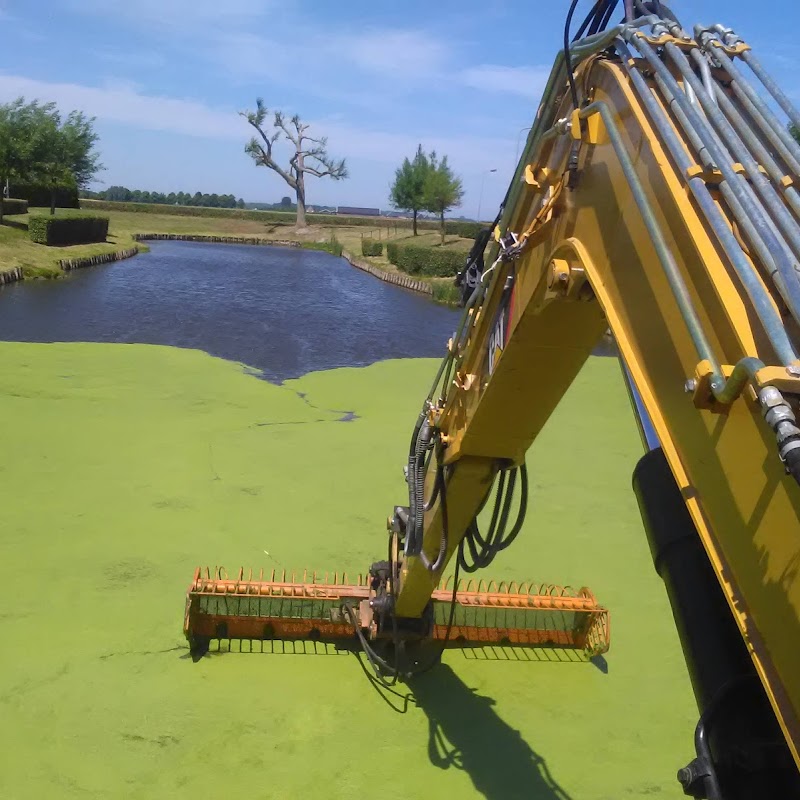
x: 478, y: 551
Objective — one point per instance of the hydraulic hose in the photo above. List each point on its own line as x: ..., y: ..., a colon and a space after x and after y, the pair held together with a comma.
x: 416, y: 483
x: 482, y: 550
x: 766, y: 311
x: 438, y: 563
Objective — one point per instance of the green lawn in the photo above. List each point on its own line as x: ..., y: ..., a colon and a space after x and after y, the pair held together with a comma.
x: 128, y: 465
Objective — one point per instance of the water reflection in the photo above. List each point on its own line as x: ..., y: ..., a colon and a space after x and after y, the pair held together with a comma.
x: 283, y: 311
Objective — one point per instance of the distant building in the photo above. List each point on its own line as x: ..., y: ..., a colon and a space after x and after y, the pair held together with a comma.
x: 359, y: 212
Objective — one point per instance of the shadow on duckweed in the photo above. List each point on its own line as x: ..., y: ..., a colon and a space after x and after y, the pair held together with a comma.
x: 464, y: 730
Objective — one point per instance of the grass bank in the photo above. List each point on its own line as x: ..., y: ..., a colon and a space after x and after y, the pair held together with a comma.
x: 171, y: 459
x: 38, y: 261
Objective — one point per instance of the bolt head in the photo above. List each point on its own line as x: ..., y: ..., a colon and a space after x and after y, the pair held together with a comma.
x: 690, y: 386
x: 685, y: 777
x: 793, y: 370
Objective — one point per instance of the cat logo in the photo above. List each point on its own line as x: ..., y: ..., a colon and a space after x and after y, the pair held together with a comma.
x: 497, y: 341
x: 499, y: 335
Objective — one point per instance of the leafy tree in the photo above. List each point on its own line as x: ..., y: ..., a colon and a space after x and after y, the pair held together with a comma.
x: 240, y: 203
x: 117, y: 194
x: 19, y: 135
x: 63, y: 151
x: 408, y: 189
x: 286, y: 202
x: 795, y: 132
x: 308, y: 159
x: 443, y: 189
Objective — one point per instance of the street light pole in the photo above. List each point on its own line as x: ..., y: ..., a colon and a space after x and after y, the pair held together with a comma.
x: 480, y: 196
x: 516, y: 155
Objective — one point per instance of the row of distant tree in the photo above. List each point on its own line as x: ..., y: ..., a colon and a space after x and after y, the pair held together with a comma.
x: 40, y: 147
x: 121, y: 194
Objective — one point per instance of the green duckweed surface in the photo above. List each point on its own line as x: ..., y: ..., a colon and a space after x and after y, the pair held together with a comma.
x: 124, y: 467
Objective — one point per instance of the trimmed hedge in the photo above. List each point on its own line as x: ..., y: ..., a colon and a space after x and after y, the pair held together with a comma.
x: 75, y: 229
x: 369, y: 247
x: 391, y: 252
x: 431, y: 261
x: 467, y: 230
x: 268, y: 217
x: 14, y: 205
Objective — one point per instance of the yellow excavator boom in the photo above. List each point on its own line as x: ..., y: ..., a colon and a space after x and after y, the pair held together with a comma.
x: 656, y: 198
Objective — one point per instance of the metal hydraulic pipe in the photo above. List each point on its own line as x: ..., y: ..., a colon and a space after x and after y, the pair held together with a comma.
x: 705, y: 72
x: 752, y: 235
x: 765, y: 309
x: 736, y: 207
x: 780, y: 97
x: 741, y: 87
x: 767, y: 130
x: 671, y: 269
x: 691, y: 134
x: 754, y: 144
x: 745, y: 370
x: 786, y: 225
x: 791, y: 282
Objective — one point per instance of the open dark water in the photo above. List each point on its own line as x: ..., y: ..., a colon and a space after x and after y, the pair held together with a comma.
x: 284, y: 311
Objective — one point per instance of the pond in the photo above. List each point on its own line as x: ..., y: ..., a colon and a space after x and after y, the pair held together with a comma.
x: 284, y: 311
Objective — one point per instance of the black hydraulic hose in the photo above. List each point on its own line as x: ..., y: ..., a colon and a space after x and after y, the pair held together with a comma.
x: 494, y: 546
x: 523, y: 510
x: 379, y: 665
x: 656, y: 7
x: 628, y: 10
x: 592, y: 20
x: 607, y: 17
x: 498, y: 502
x: 568, y: 57
x: 416, y: 483
x: 438, y: 563
x: 434, y: 494
x: 482, y: 551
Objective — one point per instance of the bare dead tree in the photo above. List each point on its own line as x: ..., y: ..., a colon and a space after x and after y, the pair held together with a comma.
x: 310, y: 155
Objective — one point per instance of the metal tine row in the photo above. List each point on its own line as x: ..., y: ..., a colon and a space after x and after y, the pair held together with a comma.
x: 483, y: 586
x: 278, y: 583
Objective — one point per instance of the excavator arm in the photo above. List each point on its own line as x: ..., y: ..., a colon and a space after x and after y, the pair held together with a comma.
x: 657, y: 199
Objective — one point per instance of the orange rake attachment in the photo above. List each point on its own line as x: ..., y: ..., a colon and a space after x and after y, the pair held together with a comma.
x: 327, y: 608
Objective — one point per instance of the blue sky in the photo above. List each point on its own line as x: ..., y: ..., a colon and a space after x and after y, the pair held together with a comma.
x: 165, y: 78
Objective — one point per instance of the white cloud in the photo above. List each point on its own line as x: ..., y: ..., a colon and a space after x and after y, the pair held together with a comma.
x: 121, y: 102
x: 478, y: 152
x: 524, y: 81
x: 403, y: 54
